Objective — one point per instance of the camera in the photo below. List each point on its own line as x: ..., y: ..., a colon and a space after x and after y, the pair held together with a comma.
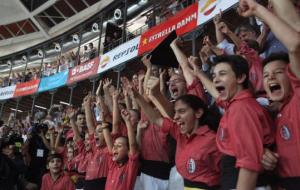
x: 38, y: 128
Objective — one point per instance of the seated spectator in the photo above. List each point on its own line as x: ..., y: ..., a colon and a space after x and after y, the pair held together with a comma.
x: 150, y: 21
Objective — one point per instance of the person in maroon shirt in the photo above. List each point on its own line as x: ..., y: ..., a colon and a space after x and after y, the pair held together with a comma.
x: 97, y: 165
x: 241, y: 136
x: 56, y: 179
x: 197, y: 157
x: 123, y: 163
x: 282, y: 84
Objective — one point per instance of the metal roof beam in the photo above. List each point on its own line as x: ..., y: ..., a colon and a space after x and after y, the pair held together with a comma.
x: 34, y: 20
x: 9, y: 31
x: 69, y: 4
x: 59, y: 12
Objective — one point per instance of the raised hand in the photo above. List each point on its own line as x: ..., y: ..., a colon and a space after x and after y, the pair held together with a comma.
x: 223, y: 28
x: 107, y: 83
x: 153, y: 85
x: 218, y: 17
x: 247, y: 8
x: 71, y: 112
x: 194, y: 63
x: 146, y: 60
x: 125, y: 115
x: 143, y: 124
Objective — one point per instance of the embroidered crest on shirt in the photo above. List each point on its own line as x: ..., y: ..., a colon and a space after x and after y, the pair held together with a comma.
x: 191, y: 165
x: 285, y: 132
x: 122, y: 177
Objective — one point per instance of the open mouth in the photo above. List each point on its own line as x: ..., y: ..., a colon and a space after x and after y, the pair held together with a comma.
x: 274, y: 87
x: 220, y: 89
x: 174, y: 90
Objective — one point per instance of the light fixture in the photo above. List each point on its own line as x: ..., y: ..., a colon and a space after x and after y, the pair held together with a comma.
x: 95, y: 27
x: 65, y: 103
x: 40, y: 53
x: 118, y: 14
x: 57, y: 47
x: 13, y: 109
x: 75, y: 38
x: 41, y: 107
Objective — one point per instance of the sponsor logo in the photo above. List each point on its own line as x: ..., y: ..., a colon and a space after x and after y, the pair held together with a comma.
x: 125, y: 52
x: 82, y: 68
x: 191, y: 165
x: 285, y: 133
x: 104, y: 61
x: 166, y: 31
x: 209, y: 7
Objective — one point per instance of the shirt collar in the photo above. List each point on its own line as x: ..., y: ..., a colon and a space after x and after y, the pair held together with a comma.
x: 239, y: 96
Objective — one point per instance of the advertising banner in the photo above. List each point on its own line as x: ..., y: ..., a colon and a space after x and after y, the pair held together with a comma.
x: 207, y: 9
x: 53, y: 81
x: 26, y: 88
x: 119, y: 55
x: 183, y: 22
x: 83, y: 71
x: 7, y: 92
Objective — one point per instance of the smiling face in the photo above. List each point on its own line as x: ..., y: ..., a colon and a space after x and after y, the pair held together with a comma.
x: 177, y: 86
x: 186, y: 118
x: 120, y: 150
x: 276, y: 81
x: 226, y: 82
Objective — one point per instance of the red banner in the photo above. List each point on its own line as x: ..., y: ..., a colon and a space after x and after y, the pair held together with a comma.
x: 83, y: 71
x: 27, y: 88
x: 183, y: 22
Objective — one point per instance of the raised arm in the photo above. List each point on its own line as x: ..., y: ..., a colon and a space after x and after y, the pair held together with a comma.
x: 72, y: 114
x: 225, y: 30
x: 207, y: 83
x: 131, y: 134
x: 183, y: 62
x: 107, y: 96
x: 90, y: 119
x: 283, y: 31
x: 107, y: 136
x: 146, y: 61
x: 116, y: 113
x: 160, y: 101
x: 219, y: 35
x: 287, y: 12
x: 140, y: 127
x: 149, y: 111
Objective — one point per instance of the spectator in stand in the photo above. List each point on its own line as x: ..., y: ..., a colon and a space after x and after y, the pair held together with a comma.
x: 123, y: 163
x: 56, y: 179
x: 150, y: 20
x: 92, y: 51
x: 281, y: 82
x: 85, y: 56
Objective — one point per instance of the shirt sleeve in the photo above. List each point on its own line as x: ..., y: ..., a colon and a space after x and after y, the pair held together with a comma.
x: 170, y: 127
x: 196, y: 88
x: 247, y: 133
x: 133, y: 169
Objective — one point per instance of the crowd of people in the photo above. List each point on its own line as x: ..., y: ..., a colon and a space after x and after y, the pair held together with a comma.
x: 226, y: 120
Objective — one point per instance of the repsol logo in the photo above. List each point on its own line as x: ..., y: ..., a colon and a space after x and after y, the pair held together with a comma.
x: 126, y: 52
